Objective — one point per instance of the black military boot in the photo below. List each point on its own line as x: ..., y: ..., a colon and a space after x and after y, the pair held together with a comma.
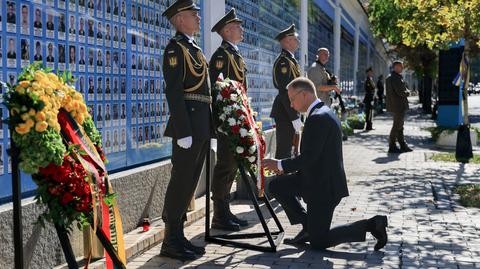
x: 173, y: 246
x: 221, y: 219
x: 405, y: 148
x: 232, y: 217
x: 393, y: 149
x: 377, y: 226
x: 188, y: 245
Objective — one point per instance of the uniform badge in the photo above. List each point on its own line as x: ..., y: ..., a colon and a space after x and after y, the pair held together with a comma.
x: 284, y: 70
x: 219, y: 64
x: 172, y: 61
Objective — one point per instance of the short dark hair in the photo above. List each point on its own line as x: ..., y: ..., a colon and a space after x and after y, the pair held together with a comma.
x: 302, y: 83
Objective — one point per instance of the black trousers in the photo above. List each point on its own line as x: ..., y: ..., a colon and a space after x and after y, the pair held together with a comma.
x: 224, y: 172
x: 368, y: 114
x: 396, y: 133
x: 317, y: 218
x: 186, y: 168
x: 284, y: 136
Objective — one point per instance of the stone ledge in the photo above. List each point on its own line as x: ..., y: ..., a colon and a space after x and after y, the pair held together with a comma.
x: 137, y: 242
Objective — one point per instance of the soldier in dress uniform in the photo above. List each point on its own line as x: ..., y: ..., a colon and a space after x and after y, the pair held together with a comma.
x: 287, y: 120
x: 189, y: 99
x: 370, y: 90
x: 227, y: 61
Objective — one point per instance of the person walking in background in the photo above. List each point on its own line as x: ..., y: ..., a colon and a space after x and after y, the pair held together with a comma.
x: 397, y: 104
x: 285, y: 69
x: 380, y: 94
x: 368, y: 99
x: 323, y: 79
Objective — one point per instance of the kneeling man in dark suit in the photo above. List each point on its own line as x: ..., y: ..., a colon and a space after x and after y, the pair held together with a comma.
x: 317, y: 175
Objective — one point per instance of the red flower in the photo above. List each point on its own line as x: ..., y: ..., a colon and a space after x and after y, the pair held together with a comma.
x: 225, y: 94
x: 67, y: 198
x: 235, y: 129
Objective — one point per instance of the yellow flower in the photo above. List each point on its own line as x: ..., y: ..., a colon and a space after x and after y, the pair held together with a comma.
x: 20, y: 89
x: 82, y: 108
x: 52, y: 76
x: 40, y: 116
x: 40, y: 75
x: 24, y: 83
x: 25, y: 116
x: 32, y: 112
x: 41, y: 126
x: 78, y: 96
x: 79, y: 118
x: 22, y: 128
x: 68, y: 107
x: 30, y: 123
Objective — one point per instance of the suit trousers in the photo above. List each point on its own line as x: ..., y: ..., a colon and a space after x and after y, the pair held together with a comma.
x: 396, y: 133
x: 224, y: 172
x: 318, y: 217
x: 186, y: 168
x: 284, y: 136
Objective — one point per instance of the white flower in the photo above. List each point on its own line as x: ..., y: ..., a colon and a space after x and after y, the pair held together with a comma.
x: 231, y: 121
x: 243, y: 132
x: 235, y: 106
x: 233, y: 96
x: 252, y: 159
x: 227, y: 109
x: 242, y: 117
x: 252, y: 149
x: 222, y: 117
x: 219, y: 97
x: 240, y: 150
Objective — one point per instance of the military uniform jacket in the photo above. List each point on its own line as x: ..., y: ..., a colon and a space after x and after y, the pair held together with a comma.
x: 397, y: 93
x: 369, y: 90
x: 285, y: 69
x: 187, y: 90
x: 228, y: 61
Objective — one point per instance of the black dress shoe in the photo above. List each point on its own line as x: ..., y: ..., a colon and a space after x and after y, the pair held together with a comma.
x: 378, y: 230
x: 195, y: 249
x: 405, y: 148
x: 225, y: 224
x: 177, y: 251
x: 301, y: 238
x: 394, y: 149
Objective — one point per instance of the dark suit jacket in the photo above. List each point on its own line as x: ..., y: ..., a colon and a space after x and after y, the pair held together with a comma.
x: 396, y: 93
x: 320, y: 164
x: 285, y: 69
x: 187, y: 118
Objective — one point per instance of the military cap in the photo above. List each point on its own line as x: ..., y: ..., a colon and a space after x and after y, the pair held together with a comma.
x: 231, y: 16
x: 290, y: 31
x: 179, y: 6
x: 397, y: 62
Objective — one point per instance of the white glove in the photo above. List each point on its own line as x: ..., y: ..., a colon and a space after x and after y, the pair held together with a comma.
x: 185, y: 142
x: 297, y: 125
x: 213, y: 144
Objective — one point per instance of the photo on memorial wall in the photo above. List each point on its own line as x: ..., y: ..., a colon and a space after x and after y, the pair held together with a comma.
x: 50, y: 53
x: 11, y: 16
x: 25, y: 49
x: 61, y: 22
x: 91, y: 86
x: 50, y: 22
x: 81, y: 60
x: 108, y: 36
x: 81, y: 84
x: 25, y: 20
x: 81, y: 27
x: 61, y: 53
x: 37, y: 23
x: 38, y: 51
x: 71, y: 25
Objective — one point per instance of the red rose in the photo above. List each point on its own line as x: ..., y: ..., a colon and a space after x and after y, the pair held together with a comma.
x: 235, y: 129
x: 67, y: 198
x: 225, y: 94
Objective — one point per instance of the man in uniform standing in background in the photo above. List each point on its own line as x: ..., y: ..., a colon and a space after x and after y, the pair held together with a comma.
x: 368, y: 99
x: 189, y: 99
x: 287, y: 120
x: 228, y: 62
x: 324, y: 81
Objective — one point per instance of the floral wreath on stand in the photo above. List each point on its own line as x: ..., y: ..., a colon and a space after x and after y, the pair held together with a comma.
x: 37, y: 105
x: 236, y: 120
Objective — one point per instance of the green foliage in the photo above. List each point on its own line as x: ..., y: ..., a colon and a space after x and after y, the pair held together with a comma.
x: 346, y: 129
x: 469, y: 195
x: 92, y: 132
x: 437, y: 130
x: 450, y: 157
x: 356, y: 121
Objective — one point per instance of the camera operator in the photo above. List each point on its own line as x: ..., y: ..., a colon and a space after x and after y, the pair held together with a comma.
x: 324, y: 81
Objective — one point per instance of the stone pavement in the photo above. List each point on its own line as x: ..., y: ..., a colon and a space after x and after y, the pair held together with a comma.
x: 427, y: 227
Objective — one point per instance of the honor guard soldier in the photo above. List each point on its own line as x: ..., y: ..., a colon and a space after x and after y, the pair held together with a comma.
x: 189, y: 100
x: 370, y: 90
x: 287, y: 120
x: 227, y: 61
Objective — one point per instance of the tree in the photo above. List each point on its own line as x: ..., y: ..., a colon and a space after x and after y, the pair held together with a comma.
x: 432, y: 24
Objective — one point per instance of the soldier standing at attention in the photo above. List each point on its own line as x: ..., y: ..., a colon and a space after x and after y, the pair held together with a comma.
x: 287, y: 120
x: 368, y: 99
x: 227, y: 61
x: 189, y: 99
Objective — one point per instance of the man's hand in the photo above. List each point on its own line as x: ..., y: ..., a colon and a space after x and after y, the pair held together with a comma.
x: 337, y: 89
x: 296, y: 141
x: 272, y: 165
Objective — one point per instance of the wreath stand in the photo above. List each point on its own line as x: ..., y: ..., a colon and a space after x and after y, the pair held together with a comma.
x: 61, y: 231
x: 274, y: 238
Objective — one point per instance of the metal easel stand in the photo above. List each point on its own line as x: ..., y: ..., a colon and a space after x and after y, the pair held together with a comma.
x: 274, y: 238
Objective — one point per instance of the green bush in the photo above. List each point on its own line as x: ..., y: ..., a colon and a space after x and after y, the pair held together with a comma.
x: 346, y: 129
x: 469, y: 194
x: 356, y: 121
x: 437, y: 130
